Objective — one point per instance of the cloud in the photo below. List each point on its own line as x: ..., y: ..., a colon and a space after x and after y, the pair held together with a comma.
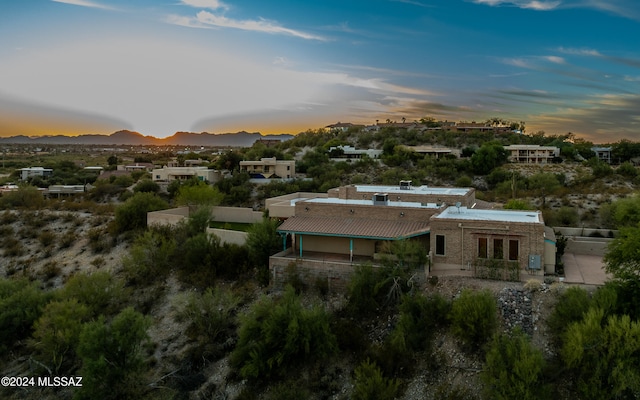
x: 526, y: 4
x: 580, y: 52
x: 261, y: 25
x: 210, y: 4
x: 84, y: 3
x: 413, y: 3
x: 555, y: 59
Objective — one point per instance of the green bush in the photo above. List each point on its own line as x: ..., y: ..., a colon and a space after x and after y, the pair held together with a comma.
x: 133, y: 213
x: 603, y: 355
x: 277, y: 335
x: 21, y: 304
x: 473, y: 317
x: 149, y: 258
x: 571, y: 307
x: 56, y: 334
x: 208, y: 314
x: 370, y: 384
x: 514, y: 369
x: 112, y: 363
x: 101, y: 292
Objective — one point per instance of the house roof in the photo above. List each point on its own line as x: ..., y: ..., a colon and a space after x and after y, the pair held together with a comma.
x: 354, y: 227
x: 464, y: 213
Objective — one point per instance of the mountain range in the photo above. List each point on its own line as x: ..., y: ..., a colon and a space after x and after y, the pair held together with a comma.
x: 238, y: 139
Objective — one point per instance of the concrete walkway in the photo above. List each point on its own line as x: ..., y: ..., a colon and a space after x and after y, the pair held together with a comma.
x: 584, y: 269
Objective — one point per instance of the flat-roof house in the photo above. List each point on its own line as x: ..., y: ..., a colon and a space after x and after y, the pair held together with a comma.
x: 603, y: 153
x: 26, y: 173
x: 167, y: 174
x: 405, y: 191
x: 325, y: 237
x: 531, y: 153
x: 480, y: 241
x: 269, y: 167
x: 342, y: 153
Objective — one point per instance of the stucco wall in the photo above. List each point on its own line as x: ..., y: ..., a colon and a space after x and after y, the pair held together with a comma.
x: 229, y: 236
x: 339, y: 245
x: 236, y: 214
x: 167, y: 217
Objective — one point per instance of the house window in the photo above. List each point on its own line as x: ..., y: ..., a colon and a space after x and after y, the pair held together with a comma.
x: 514, y: 252
x: 498, y: 252
x: 439, y: 245
x: 482, y: 247
x: 288, y: 167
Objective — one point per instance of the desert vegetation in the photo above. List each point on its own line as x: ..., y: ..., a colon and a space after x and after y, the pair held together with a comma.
x: 160, y: 312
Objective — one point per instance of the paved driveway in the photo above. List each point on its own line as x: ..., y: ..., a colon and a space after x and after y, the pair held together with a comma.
x: 584, y: 269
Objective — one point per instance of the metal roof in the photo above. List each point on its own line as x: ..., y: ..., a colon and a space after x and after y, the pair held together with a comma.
x: 354, y: 227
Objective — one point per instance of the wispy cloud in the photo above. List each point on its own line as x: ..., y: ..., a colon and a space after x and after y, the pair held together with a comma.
x: 85, y: 3
x: 527, y: 4
x: 210, y: 4
x: 580, y: 52
x: 623, y: 8
x: 555, y: 59
x: 413, y: 3
x: 206, y: 19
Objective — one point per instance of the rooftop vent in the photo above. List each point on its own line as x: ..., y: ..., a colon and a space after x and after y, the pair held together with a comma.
x: 380, y: 199
x: 405, y: 185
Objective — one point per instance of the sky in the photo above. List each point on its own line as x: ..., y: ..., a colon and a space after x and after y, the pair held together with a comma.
x: 282, y: 66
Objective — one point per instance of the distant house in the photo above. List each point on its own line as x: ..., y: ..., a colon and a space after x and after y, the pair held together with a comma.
x: 342, y: 126
x: 268, y: 168
x: 341, y: 153
x: 145, y: 167
x: 603, y: 153
x: 531, y: 153
x: 168, y: 174
x: 26, y: 173
x: 434, y: 151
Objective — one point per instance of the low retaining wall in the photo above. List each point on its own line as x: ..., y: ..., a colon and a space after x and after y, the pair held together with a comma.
x: 587, y: 245
x: 586, y: 232
x: 172, y: 216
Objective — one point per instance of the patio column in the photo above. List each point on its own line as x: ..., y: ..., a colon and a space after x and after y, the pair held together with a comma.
x: 300, y: 246
x: 284, y: 241
x: 350, y: 249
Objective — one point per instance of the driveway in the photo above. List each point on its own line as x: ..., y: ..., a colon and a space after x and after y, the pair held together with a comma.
x: 584, y: 269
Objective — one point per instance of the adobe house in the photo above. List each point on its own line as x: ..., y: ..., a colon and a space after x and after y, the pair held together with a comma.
x: 467, y: 241
x: 324, y: 238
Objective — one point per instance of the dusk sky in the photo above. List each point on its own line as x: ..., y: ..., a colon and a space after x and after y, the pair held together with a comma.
x: 161, y: 66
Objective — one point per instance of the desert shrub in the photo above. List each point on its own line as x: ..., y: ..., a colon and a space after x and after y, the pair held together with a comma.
x: 68, y: 239
x: 571, y: 307
x: 56, y: 333
x: 149, y: 258
x: 21, y: 303
x: 24, y: 197
x: 517, y: 204
x: 99, y: 241
x: 208, y: 314
x: 513, y: 369
x: 533, y: 285
x: 288, y: 391
x: 13, y: 247
x: 262, y: 242
x: 101, y: 292
x: 146, y: 185
x: 133, y: 213
x: 370, y: 384
x: 199, y: 259
x: 51, y: 269
x: 602, y: 355
x: 473, y: 317
x: 8, y: 217
x: 112, y: 363
x: 46, y: 238
x: 277, y: 335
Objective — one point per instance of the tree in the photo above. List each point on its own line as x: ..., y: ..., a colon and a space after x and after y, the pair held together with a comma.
x: 197, y: 196
x: 622, y: 258
x: 146, y: 185
x: 100, y: 291
x: 603, y: 354
x: 262, y: 242
x: 276, y: 335
x: 370, y: 384
x: 544, y: 183
x: 571, y: 307
x: 473, y: 317
x: 149, y: 258
x: 488, y: 157
x: 26, y: 196
x: 21, y: 304
x: 133, y: 213
x: 57, y: 331
x: 112, y: 362
x: 514, y: 369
